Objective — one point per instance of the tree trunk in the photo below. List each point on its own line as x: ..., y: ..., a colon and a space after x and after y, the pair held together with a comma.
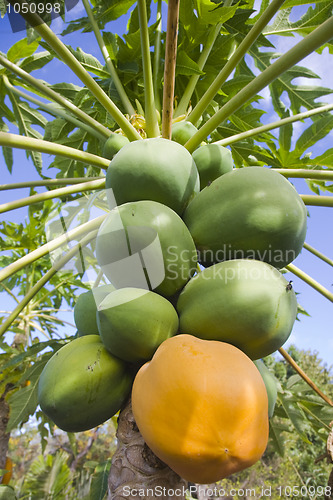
x: 135, y: 471
x: 4, y: 436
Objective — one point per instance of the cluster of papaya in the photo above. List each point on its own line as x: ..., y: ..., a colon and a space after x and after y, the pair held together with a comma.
x: 193, y: 249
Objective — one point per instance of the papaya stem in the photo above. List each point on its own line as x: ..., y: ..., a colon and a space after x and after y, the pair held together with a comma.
x: 50, y: 195
x: 244, y: 46
x: 304, y: 376
x: 152, y: 128
x: 306, y: 46
x: 54, y: 96
x: 273, y: 125
x: 48, y: 182
x: 70, y: 60
x: 43, y: 281
x: 157, y: 56
x: 304, y: 173
x: 50, y: 246
x: 170, y: 67
x: 316, y: 252
x: 317, y: 201
x: 32, y: 144
x: 108, y: 62
x: 310, y: 281
x: 54, y: 110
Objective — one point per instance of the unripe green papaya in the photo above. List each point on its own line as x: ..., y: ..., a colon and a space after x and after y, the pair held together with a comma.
x: 113, y: 144
x: 251, y: 213
x: 133, y: 322
x: 153, y: 169
x: 182, y: 131
x: 212, y: 161
x: 146, y: 245
x: 83, y: 385
x: 86, y: 307
x: 7, y: 493
x: 246, y: 303
x: 270, y: 383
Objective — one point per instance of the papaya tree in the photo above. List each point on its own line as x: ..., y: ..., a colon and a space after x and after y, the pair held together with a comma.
x: 165, y: 170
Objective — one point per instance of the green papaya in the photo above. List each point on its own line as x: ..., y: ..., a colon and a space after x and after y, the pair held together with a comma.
x: 182, y: 131
x: 85, y: 309
x: 212, y: 161
x: 270, y: 383
x: 153, y: 169
x: 133, y: 322
x: 113, y: 144
x: 83, y: 385
x: 246, y: 303
x: 251, y: 213
x: 7, y: 493
x: 146, y: 245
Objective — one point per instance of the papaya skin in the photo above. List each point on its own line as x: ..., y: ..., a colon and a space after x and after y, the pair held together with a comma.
x: 153, y: 169
x: 114, y: 144
x: 182, y: 131
x: 201, y: 406
x: 155, y: 232
x: 9, y: 471
x: 243, y: 302
x: 83, y: 385
x: 248, y: 213
x: 133, y: 322
x: 85, y: 309
x: 212, y: 161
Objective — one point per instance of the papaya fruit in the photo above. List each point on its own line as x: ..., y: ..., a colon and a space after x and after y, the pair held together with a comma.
x: 133, y: 322
x: 152, y: 169
x: 113, y: 144
x: 270, y: 383
x: 146, y: 245
x: 212, y: 161
x: 244, y: 302
x: 182, y: 131
x: 9, y: 471
x: 201, y: 406
x: 83, y: 385
x: 248, y: 213
x: 7, y: 492
x: 85, y: 309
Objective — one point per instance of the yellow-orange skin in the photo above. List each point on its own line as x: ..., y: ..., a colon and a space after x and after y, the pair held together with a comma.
x: 9, y: 468
x: 202, y: 407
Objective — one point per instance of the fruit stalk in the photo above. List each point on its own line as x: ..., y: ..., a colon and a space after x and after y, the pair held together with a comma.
x: 48, y: 182
x: 318, y: 254
x: 135, y: 467
x: 310, y: 281
x: 317, y: 201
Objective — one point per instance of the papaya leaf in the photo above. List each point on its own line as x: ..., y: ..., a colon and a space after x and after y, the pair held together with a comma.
x: 317, y: 131
x: 294, y: 414
x: 21, y: 49
x: 276, y: 437
x: 99, y: 482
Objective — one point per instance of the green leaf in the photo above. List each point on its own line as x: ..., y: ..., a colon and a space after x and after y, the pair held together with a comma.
x: 186, y: 66
x: 21, y: 49
x: 294, y: 414
x: 317, y: 131
x: 110, y: 41
x: 99, y: 482
x: 275, y: 434
x: 324, y: 160
x: 36, y: 61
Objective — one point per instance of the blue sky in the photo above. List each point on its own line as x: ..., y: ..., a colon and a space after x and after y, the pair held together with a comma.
x: 314, y: 332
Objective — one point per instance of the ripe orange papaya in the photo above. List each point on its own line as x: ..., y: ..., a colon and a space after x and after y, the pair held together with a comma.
x: 133, y: 322
x: 146, y: 245
x: 248, y: 213
x: 244, y: 302
x: 83, y: 385
x: 9, y: 471
x: 86, y: 307
x: 201, y: 406
x: 153, y: 169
